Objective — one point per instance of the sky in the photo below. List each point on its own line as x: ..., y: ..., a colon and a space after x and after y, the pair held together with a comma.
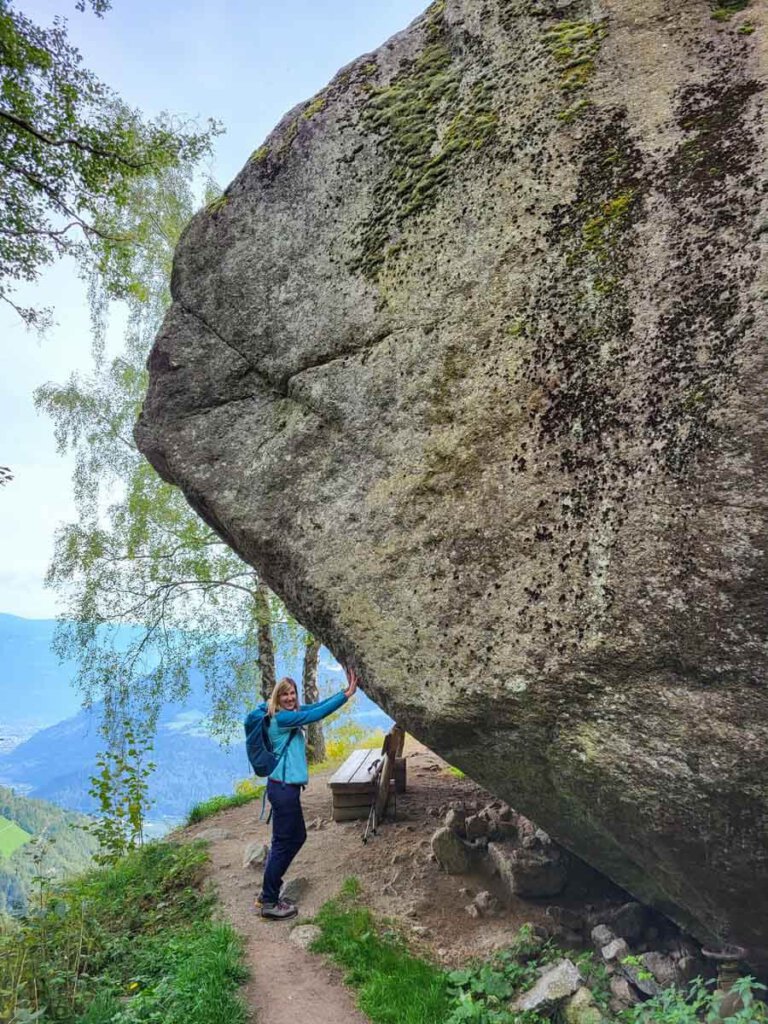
x: 243, y: 63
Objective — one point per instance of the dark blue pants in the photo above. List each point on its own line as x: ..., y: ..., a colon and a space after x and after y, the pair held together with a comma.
x: 288, y: 835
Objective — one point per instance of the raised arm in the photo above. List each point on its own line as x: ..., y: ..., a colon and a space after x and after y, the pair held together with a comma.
x: 309, y: 713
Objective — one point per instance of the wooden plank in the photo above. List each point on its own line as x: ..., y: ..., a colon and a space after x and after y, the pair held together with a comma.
x: 354, y: 771
x: 400, y: 776
x: 352, y: 799
x: 351, y: 813
x: 355, y: 797
x: 398, y: 742
x: 383, y: 787
x: 348, y: 769
x: 365, y: 771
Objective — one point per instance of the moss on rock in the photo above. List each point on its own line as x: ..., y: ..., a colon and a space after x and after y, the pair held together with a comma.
x: 260, y: 155
x: 426, y: 118
x: 574, y: 46
x: 723, y: 10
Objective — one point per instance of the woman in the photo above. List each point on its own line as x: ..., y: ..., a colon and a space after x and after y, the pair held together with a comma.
x: 286, y: 782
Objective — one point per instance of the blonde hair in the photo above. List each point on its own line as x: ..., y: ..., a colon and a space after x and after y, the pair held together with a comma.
x: 285, y: 684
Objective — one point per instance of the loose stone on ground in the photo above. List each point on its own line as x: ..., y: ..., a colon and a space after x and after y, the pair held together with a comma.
x: 305, y: 934
x: 555, y: 984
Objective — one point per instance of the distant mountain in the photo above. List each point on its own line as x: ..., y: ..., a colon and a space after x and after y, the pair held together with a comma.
x: 35, y: 687
x: 56, y: 762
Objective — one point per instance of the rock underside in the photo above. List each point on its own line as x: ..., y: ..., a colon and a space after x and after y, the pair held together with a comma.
x: 469, y: 362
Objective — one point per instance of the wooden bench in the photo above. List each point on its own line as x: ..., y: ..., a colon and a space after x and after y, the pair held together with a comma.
x: 352, y: 786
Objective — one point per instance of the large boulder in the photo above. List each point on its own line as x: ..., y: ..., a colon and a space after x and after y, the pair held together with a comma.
x: 469, y: 361
x: 629, y: 921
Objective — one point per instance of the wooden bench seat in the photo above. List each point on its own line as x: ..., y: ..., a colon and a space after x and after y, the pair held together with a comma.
x: 352, y: 786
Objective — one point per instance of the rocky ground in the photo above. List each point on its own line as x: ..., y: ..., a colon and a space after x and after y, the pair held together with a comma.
x: 458, y: 871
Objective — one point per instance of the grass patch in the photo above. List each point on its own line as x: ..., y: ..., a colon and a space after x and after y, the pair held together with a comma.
x: 223, y: 803
x: 396, y: 987
x: 12, y: 838
x: 128, y: 944
x: 393, y: 986
x: 186, y: 977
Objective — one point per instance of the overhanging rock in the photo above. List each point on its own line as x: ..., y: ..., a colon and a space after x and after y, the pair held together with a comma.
x: 469, y: 361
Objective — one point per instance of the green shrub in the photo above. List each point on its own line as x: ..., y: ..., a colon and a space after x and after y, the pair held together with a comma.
x: 698, y: 1003
x: 481, y: 992
x: 343, y: 736
x: 125, y: 944
x: 121, y: 790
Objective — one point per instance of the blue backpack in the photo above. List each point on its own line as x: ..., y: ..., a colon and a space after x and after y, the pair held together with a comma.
x: 258, y: 745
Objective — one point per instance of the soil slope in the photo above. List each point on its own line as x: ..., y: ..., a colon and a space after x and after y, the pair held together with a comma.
x: 400, y: 880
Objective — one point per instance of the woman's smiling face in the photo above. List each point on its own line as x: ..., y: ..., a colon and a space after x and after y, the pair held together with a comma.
x: 288, y: 699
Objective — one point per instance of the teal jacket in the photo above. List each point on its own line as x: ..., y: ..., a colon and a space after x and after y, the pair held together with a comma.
x: 293, y: 766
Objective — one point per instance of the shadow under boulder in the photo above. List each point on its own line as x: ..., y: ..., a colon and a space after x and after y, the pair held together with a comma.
x: 639, y: 952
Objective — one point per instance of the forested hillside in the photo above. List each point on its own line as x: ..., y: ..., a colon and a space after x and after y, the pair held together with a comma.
x: 190, y: 765
x: 59, y: 847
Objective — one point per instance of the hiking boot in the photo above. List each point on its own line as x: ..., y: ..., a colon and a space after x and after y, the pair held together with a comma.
x: 259, y: 901
x: 279, y: 911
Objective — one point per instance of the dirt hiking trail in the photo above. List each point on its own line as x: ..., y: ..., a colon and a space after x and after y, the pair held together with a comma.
x: 399, y: 877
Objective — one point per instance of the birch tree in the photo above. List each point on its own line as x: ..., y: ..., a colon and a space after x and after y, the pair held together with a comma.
x: 136, y: 553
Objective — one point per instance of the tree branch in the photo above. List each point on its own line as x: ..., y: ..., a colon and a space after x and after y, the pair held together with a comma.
x: 84, y: 147
x: 56, y: 199
x: 22, y: 312
x: 145, y: 640
x: 48, y: 232
x: 38, y: 319
x: 114, y: 559
x: 161, y: 592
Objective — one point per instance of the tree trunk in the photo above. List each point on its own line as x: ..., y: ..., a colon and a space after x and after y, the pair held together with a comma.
x: 311, y: 695
x: 264, y: 634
